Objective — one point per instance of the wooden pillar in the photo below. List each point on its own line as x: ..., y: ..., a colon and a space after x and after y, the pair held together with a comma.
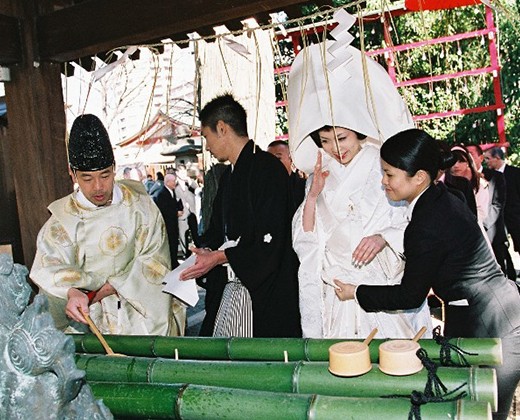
x: 36, y: 133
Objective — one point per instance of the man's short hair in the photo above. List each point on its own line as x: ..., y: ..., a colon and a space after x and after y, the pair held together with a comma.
x: 224, y: 108
x: 497, y: 152
x: 278, y: 143
x: 477, y: 147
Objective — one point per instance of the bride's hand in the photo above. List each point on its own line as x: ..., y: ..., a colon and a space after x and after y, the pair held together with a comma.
x: 318, y: 180
x: 367, y: 249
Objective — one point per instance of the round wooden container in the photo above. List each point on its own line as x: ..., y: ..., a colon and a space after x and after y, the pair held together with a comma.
x: 398, y: 357
x: 349, y: 358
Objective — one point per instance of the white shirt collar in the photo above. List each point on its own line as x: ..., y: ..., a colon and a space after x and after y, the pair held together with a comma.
x: 411, y: 206
x: 501, y: 169
x: 117, y: 197
x: 169, y: 189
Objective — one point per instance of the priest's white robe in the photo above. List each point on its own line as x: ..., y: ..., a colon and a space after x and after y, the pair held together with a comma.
x: 125, y: 244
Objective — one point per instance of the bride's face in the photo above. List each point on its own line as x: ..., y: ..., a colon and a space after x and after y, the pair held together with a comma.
x: 346, y: 147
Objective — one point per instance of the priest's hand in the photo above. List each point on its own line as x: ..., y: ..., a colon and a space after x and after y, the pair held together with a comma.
x: 205, y: 261
x: 367, y: 250
x: 106, y: 290
x: 344, y: 291
x: 76, y: 300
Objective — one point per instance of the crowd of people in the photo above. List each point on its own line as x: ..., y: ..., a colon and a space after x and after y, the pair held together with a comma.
x: 349, y: 227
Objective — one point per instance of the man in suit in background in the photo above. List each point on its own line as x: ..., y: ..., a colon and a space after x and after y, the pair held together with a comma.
x: 170, y: 209
x: 280, y: 149
x: 495, y: 159
x: 494, y: 222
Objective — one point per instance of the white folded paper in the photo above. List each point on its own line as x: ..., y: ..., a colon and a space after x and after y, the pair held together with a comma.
x: 185, y: 290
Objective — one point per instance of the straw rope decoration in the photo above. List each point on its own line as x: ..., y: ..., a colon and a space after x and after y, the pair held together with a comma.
x: 275, y: 46
x: 169, y: 81
x: 206, y: 163
x: 303, y: 83
x: 219, y: 43
x: 366, y: 78
x: 258, y: 62
x: 322, y: 14
x: 327, y: 84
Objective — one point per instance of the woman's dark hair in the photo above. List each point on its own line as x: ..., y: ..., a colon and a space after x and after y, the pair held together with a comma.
x: 447, y: 158
x: 159, y: 176
x: 315, y: 135
x: 412, y: 150
x: 462, y: 155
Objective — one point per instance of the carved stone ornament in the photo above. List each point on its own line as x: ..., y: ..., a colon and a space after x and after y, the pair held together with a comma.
x: 38, y: 376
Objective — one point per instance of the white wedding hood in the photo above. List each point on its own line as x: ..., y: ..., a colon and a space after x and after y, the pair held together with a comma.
x: 332, y: 83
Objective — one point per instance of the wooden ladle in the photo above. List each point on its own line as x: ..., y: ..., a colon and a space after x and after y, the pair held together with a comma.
x: 98, y: 334
x: 351, y: 358
x: 419, y: 334
x: 399, y: 358
x: 370, y: 337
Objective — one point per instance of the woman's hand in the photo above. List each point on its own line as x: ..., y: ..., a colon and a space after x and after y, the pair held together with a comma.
x: 344, y: 291
x: 318, y: 180
x: 367, y: 250
x: 309, y: 208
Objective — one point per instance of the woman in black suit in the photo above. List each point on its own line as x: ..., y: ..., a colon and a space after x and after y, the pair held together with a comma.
x: 446, y: 251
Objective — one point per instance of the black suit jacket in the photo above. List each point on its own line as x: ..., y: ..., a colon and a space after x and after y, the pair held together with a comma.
x: 512, y: 209
x: 464, y: 186
x: 446, y: 250
x: 169, y: 206
x: 494, y: 223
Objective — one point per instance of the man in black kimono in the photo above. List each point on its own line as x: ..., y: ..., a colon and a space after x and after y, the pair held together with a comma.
x: 253, y: 208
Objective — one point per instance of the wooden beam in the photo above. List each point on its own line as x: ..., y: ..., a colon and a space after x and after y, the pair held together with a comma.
x: 101, y: 25
x: 36, y: 150
x: 10, y: 46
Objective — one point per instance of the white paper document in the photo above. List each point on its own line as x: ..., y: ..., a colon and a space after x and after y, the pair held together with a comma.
x: 185, y: 290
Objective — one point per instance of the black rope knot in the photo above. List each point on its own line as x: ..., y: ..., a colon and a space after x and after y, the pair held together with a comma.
x: 418, y: 398
x: 446, y: 347
x: 434, y: 385
x: 434, y: 391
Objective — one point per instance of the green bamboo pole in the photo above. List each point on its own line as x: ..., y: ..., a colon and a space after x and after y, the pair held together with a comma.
x: 488, y: 350
x: 159, y: 401
x: 294, y: 377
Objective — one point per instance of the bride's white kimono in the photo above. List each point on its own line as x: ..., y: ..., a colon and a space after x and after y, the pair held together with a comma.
x: 351, y: 206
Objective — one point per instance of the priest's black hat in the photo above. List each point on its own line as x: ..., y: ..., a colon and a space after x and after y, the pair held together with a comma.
x: 89, y: 145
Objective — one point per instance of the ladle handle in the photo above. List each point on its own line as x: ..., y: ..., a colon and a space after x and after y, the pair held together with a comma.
x: 419, y: 334
x: 370, y: 336
x: 95, y: 330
